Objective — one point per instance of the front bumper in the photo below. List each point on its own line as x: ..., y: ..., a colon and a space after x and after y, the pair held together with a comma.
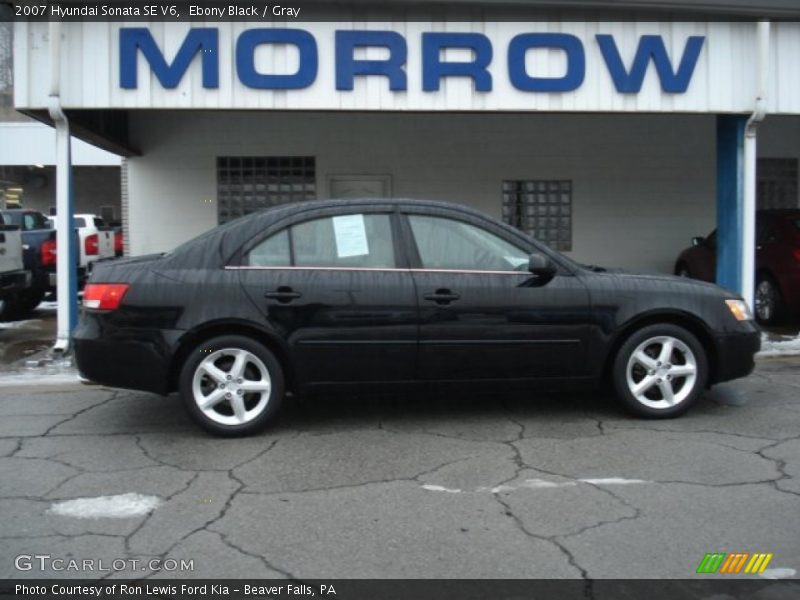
x: 735, y: 354
x: 14, y: 281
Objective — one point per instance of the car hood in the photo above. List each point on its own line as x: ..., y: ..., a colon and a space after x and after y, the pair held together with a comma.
x: 622, y: 276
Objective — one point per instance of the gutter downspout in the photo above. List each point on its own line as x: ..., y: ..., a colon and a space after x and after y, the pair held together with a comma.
x: 750, y: 161
x: 66, y: 275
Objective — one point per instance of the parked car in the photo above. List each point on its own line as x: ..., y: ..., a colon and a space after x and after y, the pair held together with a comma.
x: 39, y: 257
x: 777, y: 293
x: 393, y: 293
x: 119, y: 239
x: 95, y: 239
x: 14, y: 278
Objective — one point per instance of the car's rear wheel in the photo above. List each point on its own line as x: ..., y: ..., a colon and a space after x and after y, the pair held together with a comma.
x: 660, y: 371
x: 232, y: 385
x: 767, y: 300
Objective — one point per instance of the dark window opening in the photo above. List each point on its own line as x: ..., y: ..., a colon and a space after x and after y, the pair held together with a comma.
x: 249, y: 184
x: 540, y: 208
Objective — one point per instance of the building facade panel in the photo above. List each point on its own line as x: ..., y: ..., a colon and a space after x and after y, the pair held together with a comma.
x: 719, y: 79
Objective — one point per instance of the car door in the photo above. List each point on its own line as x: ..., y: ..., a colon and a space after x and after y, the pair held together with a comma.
x: 483, y: 315
x: 337, y: 289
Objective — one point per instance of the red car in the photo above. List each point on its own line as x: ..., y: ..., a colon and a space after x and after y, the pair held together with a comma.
x: 777, y: 293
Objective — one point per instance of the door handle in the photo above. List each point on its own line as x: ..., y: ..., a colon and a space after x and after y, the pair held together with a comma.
x: 442, y: 296
x: 283, y: 294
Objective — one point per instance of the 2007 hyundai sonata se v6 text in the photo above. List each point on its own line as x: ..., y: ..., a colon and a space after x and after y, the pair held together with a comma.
x: 392, y: 292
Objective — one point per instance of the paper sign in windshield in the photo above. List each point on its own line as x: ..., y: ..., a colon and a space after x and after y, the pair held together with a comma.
x: 351, y: 236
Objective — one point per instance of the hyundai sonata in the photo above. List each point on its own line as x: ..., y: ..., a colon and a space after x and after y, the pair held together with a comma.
x: 394, y: 292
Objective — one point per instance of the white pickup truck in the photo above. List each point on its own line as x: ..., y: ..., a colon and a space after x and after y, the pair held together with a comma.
x: 13, y: 277
x: 95, y: 240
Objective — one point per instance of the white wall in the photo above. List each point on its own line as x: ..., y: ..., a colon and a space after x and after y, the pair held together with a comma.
x: 643, y: 185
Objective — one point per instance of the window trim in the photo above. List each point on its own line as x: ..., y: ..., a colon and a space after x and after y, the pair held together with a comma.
x: 416, y: 260
x: 400, y: 258
x: 405, y: 245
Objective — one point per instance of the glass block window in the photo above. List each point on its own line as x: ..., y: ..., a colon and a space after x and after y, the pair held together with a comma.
x: 777, y: 183
x: 540, y: 208
x: 247, y: 184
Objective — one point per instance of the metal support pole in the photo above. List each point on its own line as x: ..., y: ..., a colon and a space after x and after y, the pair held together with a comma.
x: 66, y: 256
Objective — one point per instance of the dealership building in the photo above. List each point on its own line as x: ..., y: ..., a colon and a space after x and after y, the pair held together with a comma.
x: 614, y: 141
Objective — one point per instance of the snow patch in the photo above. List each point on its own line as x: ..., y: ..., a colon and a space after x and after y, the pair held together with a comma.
x: 613, y: 481
x: 536, y: 484
x: 37, y: 377
x: 539, y: 484
x: 440, y: 488
x: 783, y: 346
x: 122, y: 506
x: 781, y: 573
x: 27, y: 324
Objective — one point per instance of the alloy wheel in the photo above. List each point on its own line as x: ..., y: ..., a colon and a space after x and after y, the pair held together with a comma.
x: 766, y: 300
x: 661, y: 372
x: 231, y: 386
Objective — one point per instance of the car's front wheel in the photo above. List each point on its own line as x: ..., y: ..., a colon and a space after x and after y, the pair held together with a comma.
x: 232, y: 385
x: 660, y: 371
x: 767, y: 300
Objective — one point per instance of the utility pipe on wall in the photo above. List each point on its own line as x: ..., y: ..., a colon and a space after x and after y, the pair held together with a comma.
x: 748, y: 262
x: 66, y: 272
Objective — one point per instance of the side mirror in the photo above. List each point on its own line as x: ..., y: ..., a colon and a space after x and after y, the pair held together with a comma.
x: 541, y: 265
x: 698, y: 241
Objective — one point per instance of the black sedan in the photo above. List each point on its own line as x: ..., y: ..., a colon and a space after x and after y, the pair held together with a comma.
x: 390, y: 293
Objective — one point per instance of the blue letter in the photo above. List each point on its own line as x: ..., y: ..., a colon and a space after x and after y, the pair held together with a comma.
x: 651, y: 46
x: 576, y: 62
x: 348, y: 67
x: 205, y: 41
x: 433, y: 69
x: 246, y: 58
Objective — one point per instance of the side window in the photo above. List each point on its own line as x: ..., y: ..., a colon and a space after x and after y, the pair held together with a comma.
x: 272, y: 252
x: 448, y: 244
x: 354, y: 241
x: 344, y: 241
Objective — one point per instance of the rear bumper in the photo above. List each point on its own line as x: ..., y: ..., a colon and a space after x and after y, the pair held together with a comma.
x: 736, y: 354
x: 134, y: 359
x: 14, y: 281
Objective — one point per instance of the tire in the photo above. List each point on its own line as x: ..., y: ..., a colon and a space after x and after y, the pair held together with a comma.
x: 641, y: 360
x: 9, y: 310
x: 768, y: 300
x: 682, y: 270
x: 208, y: 376
x: 28, y: 300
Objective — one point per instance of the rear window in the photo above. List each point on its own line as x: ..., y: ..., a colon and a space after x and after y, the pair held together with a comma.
x: 27, y: 221
x: 80, y: 222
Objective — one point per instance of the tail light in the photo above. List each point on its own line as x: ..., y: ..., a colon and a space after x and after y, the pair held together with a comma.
x: 796, y: 253
x: 48, y: 253
x: 104, y: 296
x: 91, y: 245
x: 118, y: 242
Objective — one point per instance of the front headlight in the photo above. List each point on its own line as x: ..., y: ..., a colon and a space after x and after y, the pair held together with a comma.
x: 739, y: 310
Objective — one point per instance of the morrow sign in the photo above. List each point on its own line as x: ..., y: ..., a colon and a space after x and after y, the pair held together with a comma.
x: 202, y: 43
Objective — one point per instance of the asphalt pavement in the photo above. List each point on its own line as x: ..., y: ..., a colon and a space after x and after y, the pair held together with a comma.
x: 413, y: 486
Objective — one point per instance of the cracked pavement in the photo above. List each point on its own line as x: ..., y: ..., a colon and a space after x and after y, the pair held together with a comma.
x: 413, y: 486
